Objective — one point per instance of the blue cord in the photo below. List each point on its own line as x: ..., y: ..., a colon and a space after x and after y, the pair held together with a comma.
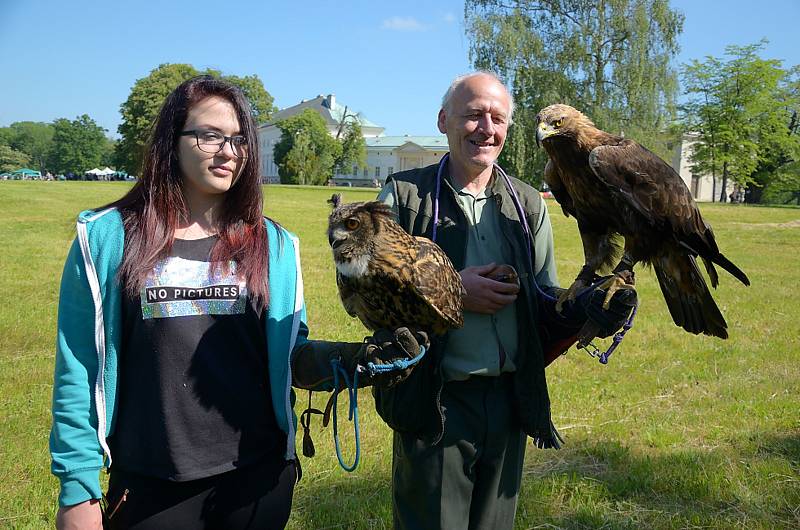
x: 352, y: 415
x: 352, y: 391
x: 399, y: 364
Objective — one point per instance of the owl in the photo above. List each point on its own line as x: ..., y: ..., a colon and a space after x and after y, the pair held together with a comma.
x: 388, y: 278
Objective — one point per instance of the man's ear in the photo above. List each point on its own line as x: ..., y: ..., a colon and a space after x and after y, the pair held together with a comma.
x: 441, y: 122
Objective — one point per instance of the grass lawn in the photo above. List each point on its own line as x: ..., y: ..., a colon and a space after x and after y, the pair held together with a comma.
x: 676, y: 431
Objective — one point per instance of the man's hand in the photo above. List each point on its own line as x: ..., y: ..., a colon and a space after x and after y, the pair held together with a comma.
x: 485, y: 295
x: 83, y: 516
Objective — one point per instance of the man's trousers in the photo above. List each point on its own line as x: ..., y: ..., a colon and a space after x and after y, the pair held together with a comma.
x: 470, y: 480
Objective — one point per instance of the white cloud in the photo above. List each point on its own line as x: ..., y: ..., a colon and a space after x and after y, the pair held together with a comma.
x: 403, y: 24
x: 449, y: 17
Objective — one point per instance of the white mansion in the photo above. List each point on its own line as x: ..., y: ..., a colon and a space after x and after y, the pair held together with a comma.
x: 385, y: 154
x: 389, y: 154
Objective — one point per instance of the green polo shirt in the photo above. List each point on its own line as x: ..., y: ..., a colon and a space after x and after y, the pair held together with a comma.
x: 487, y: 344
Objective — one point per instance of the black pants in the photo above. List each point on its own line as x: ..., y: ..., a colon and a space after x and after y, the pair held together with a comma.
x: 254, y: 497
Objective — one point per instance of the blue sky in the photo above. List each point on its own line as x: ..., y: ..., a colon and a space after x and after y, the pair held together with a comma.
x: 390, y: 60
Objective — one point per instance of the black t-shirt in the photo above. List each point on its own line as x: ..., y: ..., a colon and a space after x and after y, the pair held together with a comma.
x: 194, y: 393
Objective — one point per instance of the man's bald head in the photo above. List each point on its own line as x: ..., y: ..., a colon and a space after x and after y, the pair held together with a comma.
x: 475, y: 116
x: 459, y: 81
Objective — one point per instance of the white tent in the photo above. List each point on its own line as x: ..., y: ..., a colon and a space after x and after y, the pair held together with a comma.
x: 106, y: 171
x: 94, y: 171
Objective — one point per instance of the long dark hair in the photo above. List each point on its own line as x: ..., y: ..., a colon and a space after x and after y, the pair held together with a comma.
x: 152, y: 209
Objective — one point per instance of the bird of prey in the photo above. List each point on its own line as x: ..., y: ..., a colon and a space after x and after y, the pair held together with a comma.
x: 388, y: 278
x: 615, y: 187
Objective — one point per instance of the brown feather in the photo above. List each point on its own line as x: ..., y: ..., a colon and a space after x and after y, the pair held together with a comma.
x: 614, y: 185
x: 406, y: 281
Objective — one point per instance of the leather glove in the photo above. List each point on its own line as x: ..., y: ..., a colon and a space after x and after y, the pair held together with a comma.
x: 602, y: 322
x: 311, y: 363
x: 390, y: 346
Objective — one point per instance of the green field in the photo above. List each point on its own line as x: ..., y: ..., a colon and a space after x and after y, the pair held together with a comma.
x: 676, y: 431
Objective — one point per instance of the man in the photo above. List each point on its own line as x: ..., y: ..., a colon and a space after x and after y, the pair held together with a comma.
x: 461, y: 419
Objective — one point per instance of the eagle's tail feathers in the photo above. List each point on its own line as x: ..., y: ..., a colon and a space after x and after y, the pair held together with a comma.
x: 706, y: 247
x: 726, y: 264
x: 712, y: 272
x: 687, y: 296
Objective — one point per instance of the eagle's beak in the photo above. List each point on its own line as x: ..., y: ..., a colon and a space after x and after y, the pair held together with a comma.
x: 543, y: 131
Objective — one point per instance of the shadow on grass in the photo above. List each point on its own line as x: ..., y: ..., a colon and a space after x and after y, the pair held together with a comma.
x: 752, y: 483
x: 339, y: 500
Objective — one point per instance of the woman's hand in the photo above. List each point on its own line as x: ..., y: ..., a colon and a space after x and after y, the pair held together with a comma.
x: 83, y: 516
x: 485, y: 295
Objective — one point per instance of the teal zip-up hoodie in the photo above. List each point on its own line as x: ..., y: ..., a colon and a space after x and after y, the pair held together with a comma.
x: 90, y: 336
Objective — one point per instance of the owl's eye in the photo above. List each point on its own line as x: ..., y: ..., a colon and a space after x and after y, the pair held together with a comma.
x: 352, y: 224
x: 558, y: 122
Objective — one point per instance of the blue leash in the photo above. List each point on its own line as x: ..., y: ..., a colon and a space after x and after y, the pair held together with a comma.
x: 353, y: 414
x: 352, y: 391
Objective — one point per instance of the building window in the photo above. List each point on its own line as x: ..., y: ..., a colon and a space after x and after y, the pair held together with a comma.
x: 377, y: 171
x: 355, y: 171
x: 391, y: 170
x: 366, y: 172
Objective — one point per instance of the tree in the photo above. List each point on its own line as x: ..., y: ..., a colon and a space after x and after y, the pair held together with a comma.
x: 261, y: 102
x: 743, y: 110
x: 785, y: 185
x: 78, y: 145
x: 32, y: 138
x: 608, y: 58
x: 107, y: 158
x: 354, y: 148
x: 11, y: 159
x: 779, y: 159
x: 306, y: 152
x: 141, y: 108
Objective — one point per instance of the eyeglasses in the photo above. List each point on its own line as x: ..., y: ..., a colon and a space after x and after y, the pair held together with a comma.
x: 213, y: 142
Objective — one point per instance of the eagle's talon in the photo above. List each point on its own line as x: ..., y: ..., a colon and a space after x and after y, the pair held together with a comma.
x: 620, y: 280
x: 569, y: 295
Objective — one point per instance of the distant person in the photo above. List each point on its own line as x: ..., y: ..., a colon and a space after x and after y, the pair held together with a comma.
x: 180, y: 313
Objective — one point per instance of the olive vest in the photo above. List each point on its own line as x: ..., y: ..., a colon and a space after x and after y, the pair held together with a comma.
x: 405, y: 407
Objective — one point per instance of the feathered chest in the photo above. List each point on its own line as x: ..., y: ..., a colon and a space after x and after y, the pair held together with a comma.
x: 389, y: 279
x: 590, y: 195
x: 382, y: 300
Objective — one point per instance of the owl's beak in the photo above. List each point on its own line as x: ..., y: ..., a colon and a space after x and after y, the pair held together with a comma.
x: 334, y: 242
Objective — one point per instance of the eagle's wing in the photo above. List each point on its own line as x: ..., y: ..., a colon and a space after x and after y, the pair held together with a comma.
x: 656, y: 191
x: 437, y: 282
x: 649, y: 185
x: 553, y: 179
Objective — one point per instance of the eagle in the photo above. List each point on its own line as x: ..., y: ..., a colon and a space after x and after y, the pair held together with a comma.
x: 388, y: 278
x: 615, y: 187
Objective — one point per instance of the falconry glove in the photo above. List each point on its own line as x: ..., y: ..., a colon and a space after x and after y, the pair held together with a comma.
x: 312, y: 369
x: 389, y: 347
x: 314, y: 362
x: 583, y: 318
x: 609, y: 321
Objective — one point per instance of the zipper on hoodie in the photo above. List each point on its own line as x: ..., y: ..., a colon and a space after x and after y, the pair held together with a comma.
x: 99, y: 329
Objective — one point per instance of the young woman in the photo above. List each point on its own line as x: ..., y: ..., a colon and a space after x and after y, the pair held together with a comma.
x: 180, y: 313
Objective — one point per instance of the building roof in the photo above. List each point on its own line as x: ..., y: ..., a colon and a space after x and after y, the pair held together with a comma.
x: 328, y: 107
x: 428, y: 142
